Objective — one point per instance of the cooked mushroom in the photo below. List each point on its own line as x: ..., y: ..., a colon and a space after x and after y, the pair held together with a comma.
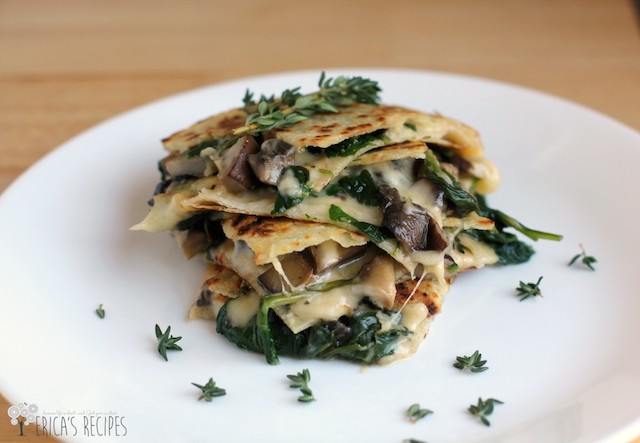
x: 436, y: 241
x: 179, y: 165
x: 330, y: 253
x: 205, y: 296
x: 273, y: 157
x: 296, y: 268
x: 379, y: 281
x: 193, y: 242
x: 410, y: 223
x: 236, y: 174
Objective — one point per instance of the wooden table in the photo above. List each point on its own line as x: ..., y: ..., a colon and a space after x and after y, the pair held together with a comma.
x: 67, y: 65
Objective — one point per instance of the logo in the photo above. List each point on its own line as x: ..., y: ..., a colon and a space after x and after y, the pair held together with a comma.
x: 87, y: 423
x: 22, y: 414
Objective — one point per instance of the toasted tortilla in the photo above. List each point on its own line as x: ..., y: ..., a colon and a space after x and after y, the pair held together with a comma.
x: 208, y: 129
x: 269, y: 238
x: 389, y: 153
x: 327, y: 129
x: 323, y: 130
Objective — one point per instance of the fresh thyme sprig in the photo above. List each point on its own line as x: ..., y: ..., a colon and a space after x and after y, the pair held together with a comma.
x: 166, y: 342
x: 292, y: 106
x: 415, y: 412
x: 526, y: 290
x: 210, y: 390
x: 100, y: 311
x: 587, y: 260
x: 301, y: 381
x: 473, y: 363
x: 484, y: 408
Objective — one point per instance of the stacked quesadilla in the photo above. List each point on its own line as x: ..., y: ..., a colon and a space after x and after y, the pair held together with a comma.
x: 333, y: 225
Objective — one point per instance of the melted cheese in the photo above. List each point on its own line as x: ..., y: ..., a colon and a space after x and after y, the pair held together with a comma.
x: 168, y: 208
x: 321, y: 306
x: 242, y: 309
x: 240, y: 258
x: 488, y: 175
x: 415, y: 317
x: 476, y: 254
x: 289, y: 185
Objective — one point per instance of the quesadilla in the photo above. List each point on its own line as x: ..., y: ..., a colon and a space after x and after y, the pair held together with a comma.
x: 333, y: 225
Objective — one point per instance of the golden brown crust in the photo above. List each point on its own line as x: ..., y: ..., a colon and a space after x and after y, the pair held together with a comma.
x: 270, y: 237
x: 327, y: 129
x: 210, y: 128
x: 429, y: 293
x: 222, y: 280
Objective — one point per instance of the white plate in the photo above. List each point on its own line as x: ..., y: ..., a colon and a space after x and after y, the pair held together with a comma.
x: 566, y: 365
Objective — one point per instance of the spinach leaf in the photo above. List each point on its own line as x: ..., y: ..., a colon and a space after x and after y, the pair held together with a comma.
x: 361, y: 187
x: 463, y: 201
x: 357, y: 338
x: 509, y: 249
x: 285, y: 201
x: 352, y: 145
x: 503, y: 220
x: 373, y: 231
x: 246, y: 337
x: 218, y: 143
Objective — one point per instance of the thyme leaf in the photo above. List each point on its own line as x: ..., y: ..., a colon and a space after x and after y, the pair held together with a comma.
x: 100, y: 311
x: 527, y: 290
x: 484, y: 408
x: 209, y: 390
x: 301, y: 381
x: 587, y: 260
x: 473, y: 363
x: 415, y: 412
x: 292, y: 106
x: 166, y: 342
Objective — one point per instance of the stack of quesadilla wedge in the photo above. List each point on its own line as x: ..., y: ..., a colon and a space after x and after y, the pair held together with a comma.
x: 331, y: 231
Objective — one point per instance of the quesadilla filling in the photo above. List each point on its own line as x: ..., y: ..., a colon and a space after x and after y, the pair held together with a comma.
x: 333, y: 225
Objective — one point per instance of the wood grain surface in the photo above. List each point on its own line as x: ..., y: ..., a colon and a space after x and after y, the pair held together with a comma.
x: 66, y: 65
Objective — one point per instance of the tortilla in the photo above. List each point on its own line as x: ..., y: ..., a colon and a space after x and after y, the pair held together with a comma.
x: 208, y: 129
x: 269, y: 238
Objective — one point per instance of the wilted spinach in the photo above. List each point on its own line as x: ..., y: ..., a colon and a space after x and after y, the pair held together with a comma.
x: 361, y: 187
x: 357, y: 338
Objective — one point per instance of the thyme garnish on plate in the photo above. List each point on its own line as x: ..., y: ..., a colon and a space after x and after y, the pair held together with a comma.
x: 166, y: 342
x: 415, y: 412
x: 293, y: 107
x: 301, y: 381
x: 484, y: 408
x: 209, y: 390
x: 473, y: 363
x: 100, y: 311
x: 526, y: 290
x: 587, y: 260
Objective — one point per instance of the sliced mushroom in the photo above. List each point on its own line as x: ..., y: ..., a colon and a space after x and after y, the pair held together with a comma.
x: 179, y: 165
x: 205, y: 296
x: 273, y: 157
x: 410, y: 223
x: 379, y: 281
x: 329, y: 254
x: 436, y: 241
x: 295, y: 267
x: 237, y: 175
x: 194, y: 242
